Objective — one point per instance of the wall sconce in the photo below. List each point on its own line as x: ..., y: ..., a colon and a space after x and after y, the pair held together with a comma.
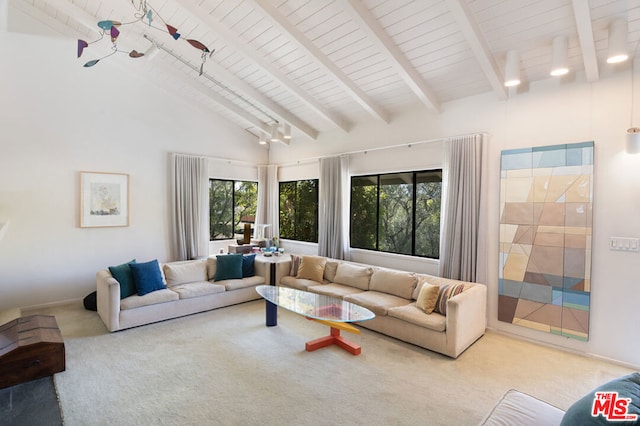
x: 559, y: 60
x: 618, y: 52
x: 512, y: 69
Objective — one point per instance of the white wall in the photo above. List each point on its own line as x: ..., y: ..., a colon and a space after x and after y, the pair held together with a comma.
x: 57, y: 119
x: 551, y: 112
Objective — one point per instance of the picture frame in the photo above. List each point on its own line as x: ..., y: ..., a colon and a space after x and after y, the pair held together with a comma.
x: 104, y: 199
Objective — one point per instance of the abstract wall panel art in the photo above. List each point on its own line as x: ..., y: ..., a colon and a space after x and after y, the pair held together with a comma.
x: 546, y: 198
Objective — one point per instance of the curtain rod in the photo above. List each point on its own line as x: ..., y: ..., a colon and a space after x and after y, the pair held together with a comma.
x: 222, y: 160
x: 364, y: 151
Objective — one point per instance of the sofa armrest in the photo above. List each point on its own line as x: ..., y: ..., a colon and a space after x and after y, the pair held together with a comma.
x: 517, y: 408
x: 108, y: 299
x: 466, y: 319
x: 282, y: 269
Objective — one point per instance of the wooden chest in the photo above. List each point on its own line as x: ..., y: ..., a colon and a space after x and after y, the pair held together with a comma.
x: 30, y: 348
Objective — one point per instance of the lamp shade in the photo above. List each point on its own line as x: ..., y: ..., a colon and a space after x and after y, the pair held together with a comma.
x: 512, y: 69
x: 559, y: 60
x: 633, y: 140
x: 618, y: 51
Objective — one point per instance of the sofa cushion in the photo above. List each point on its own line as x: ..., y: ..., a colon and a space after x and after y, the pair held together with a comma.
x: 517, y: 408
x: 242, y: 283
x: 312, y: 268
x: 398, y: 283
x: 122, y: 274
x: 330, y: 269
x: 354, y: 275
x: 147, y: 277
x: 297, y: 283
x: 378, y: 303
x: 446, y: 293
x: 626, y: 386
x: 196, y: 289
x: 185, y: 272
x: 228, y: 267
x: 248, y: 265
x: 334, y: 290
x: 153, y: 298
x: 414, y: 315
x: 427, y: 298
x: 295, y: 264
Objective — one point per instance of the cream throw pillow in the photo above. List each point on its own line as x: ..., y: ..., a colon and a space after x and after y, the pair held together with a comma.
x: 427, y: 297
x: 312, y: 268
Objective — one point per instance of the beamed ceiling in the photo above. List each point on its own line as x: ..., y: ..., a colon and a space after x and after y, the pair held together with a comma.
x: 324, y: 65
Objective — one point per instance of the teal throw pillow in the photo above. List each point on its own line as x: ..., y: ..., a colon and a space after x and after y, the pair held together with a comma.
x: 248, y: 265
x: 122, y: 274
x: 228, y: 267
x: 147, y: 277
x: 618, y: 399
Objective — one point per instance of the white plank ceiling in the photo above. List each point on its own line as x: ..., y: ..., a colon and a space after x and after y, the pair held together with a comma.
x: 320, y: 65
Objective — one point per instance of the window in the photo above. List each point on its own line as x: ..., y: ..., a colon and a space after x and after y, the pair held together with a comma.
x: 299, y: 210
x: 397, y: 212
x: 231, y: 205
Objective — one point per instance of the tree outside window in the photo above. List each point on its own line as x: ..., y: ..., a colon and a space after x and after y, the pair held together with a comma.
x: 299, y: 210
x: 231, y: 205
x: 397, y: 212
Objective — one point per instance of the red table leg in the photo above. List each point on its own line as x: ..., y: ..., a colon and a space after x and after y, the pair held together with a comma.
x: 334, y: 339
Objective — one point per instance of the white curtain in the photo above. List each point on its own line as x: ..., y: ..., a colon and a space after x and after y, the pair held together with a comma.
x: 333, y: 207
x: 190, y: 205
x: 461, y: 208
x: 268, y: 200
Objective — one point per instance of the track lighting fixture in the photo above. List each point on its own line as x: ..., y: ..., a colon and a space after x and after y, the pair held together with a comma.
x: 559, y: 60
x: 618, y: 51
x: 512, y: 69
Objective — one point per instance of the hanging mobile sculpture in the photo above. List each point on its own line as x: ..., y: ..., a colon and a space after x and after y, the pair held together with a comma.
x: 143, y: 11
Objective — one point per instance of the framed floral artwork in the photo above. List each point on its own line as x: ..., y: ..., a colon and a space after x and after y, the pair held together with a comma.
x: 104, y: 199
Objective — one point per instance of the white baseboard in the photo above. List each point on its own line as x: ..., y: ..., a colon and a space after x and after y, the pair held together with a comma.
x: 26, y: 309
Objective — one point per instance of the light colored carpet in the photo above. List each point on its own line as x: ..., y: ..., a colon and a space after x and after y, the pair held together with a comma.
x: 225, y: 367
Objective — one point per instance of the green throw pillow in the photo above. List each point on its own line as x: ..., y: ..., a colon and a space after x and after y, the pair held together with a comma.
x: 122, y: 274
x: 228, y: 267
x: 147, y: 277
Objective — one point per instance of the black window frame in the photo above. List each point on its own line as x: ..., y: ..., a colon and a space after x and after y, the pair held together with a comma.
x: 378, y: 177
x: 233, y: 205
x: 296, y: 237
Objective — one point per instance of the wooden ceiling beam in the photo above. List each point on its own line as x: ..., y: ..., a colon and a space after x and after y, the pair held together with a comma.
x: 320, y: 58
x: 478, y: 45
x: 258, y: 59
x: 370, y: 25
x: 582, y: 14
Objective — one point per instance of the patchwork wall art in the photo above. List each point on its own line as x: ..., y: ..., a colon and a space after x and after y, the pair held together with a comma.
x: 546, y: 198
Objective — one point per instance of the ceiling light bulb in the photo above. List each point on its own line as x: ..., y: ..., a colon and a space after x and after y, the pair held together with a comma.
x: 559, y: 60
x: 512, y: 69
x: 263, y: 140
x: 287, y: 131
x: 618, y: 52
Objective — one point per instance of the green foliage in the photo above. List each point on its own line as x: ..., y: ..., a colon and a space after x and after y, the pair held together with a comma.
x: 299, y: 210
x: 229, y: 203
x: 382, y: 213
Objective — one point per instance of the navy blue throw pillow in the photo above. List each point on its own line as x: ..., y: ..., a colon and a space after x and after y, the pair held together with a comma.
x: 248, y: 267
x: 147, y: 277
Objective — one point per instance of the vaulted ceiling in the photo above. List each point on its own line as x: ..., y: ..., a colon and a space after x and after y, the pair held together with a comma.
x: 321, y: 65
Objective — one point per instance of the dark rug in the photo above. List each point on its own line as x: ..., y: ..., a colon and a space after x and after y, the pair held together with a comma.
x: 32, y: 403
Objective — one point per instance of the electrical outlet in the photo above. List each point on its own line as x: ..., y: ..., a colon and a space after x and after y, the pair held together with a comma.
x: 624, y: 244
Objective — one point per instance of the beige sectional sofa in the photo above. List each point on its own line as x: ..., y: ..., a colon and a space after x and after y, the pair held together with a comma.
x: 393, y: 296
x: 190, y: 288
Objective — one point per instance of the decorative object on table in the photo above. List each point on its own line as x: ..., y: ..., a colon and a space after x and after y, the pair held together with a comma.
x: 545, y: 238
x: 104, y: 199
x: 143, y: 12
x: 247, y: 233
